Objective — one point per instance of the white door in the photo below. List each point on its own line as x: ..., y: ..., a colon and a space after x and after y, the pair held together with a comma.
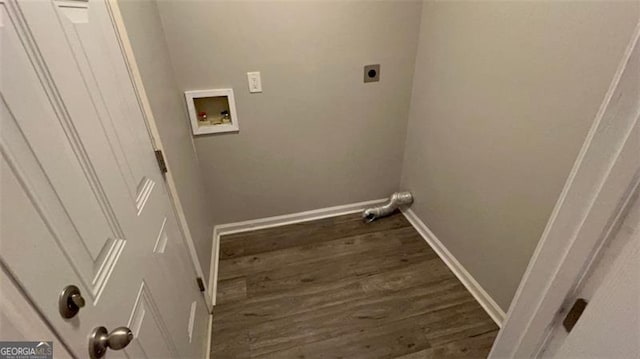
x: 82, y: 200
x: 609, y: 327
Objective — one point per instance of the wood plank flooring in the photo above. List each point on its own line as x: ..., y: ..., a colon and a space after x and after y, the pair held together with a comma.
x: 340, y: 288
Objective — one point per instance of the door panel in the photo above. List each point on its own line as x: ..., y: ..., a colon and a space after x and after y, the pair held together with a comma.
x: 82, y: 200
x: 110, y: 122
x: 95, y: 237
x: 147, y: 329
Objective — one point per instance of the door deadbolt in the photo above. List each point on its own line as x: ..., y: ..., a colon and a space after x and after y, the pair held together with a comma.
x: 70, y: 301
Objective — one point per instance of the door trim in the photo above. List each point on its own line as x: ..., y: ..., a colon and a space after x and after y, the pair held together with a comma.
x: 145, y: 107
x: 599, y: 183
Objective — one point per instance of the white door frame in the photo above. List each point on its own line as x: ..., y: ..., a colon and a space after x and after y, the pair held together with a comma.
x: 600, y: 182
x: 145, y: 107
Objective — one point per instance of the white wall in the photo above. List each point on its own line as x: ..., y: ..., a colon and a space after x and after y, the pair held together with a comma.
x: 503, y: 96
x: 317, y: 136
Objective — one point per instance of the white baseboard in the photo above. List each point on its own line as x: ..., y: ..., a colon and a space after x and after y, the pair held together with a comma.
x: 276, y: 221
x: 213, y: 267
x: 490, y: 306
x: 207, y: 355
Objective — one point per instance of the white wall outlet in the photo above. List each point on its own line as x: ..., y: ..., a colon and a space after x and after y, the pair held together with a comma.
x: 255, y: 83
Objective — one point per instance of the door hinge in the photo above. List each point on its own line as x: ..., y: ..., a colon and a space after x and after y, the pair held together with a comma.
x: 200, y: 284
x: 161, y: 163
x: 574, y: 314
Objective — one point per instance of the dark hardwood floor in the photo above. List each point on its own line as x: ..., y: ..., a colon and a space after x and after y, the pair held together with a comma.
x: 339, y: 288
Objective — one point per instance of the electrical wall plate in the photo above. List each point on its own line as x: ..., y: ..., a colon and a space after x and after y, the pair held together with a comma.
x: 255, y: 82
x: 372, y: 73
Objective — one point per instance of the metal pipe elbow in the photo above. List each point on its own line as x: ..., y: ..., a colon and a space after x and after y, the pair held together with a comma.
x: 395, y: 201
